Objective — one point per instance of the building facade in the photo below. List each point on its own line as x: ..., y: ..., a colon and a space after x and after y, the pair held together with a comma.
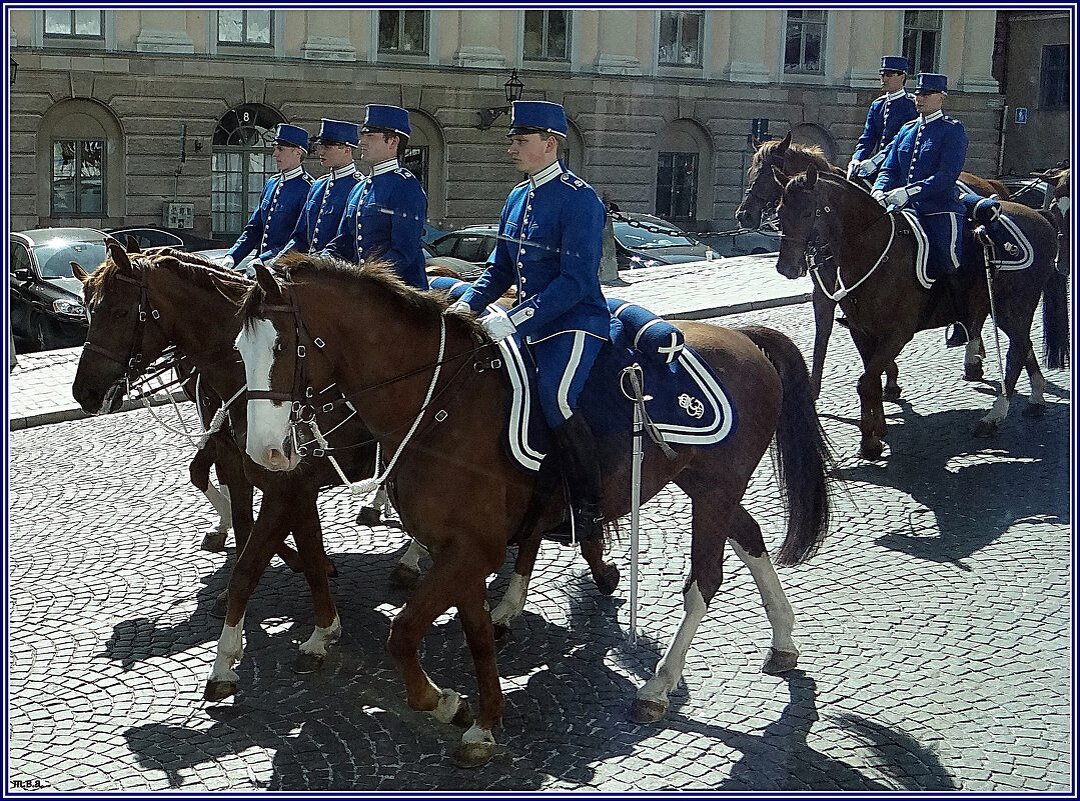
x: 117, y: 114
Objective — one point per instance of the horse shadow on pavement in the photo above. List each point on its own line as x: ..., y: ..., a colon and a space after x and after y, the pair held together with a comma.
x: 568, y: 689
x: 971, y: 490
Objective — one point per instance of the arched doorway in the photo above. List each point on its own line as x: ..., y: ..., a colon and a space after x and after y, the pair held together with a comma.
x: 683, y: 167
x: 425, y: 157
x: 241, y: 163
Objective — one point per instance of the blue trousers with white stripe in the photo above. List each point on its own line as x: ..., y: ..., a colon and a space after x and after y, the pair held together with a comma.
x: 563, y: 364
x: 945, y: 232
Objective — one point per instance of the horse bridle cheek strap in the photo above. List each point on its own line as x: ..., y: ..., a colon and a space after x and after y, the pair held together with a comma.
x: 133, y: 362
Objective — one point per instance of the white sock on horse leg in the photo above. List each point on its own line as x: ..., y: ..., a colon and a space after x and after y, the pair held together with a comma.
x: 230, y: 650
x: 670, y: 667
x: 322, y: 637
x: 411, y: 557
x: 777, y: 608
x: 513, y: 603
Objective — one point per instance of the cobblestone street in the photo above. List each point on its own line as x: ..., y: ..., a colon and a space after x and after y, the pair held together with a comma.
x: 934, y: 625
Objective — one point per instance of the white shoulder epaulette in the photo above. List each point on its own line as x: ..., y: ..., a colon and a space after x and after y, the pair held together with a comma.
x: 571, y: 180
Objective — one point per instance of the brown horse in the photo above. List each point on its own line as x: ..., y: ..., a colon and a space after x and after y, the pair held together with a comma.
x: 1056, y: 348
x: 885, y: 303
x: 773, y: 164
x: 390, y: 348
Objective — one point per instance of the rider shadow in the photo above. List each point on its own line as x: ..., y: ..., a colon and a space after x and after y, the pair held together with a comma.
x: 969, y: 501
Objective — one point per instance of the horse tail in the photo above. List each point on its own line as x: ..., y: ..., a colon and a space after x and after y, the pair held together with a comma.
x: 1056, y: 305
x: 802, y: 456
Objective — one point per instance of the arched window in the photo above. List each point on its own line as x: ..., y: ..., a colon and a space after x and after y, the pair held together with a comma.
x: 242, y: 162
x: 425, y: 157
x: 683, y: 166
x: 573, y: 151
x: 806, y: 133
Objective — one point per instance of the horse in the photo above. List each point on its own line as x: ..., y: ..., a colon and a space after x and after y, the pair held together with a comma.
x: 411, y: 369
x: 142, y: 303
x: 776, y: 161
x: 885, y: 307
x: 1056, y: 348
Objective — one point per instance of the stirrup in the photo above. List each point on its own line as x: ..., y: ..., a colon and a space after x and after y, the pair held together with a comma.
x: 956, y: 335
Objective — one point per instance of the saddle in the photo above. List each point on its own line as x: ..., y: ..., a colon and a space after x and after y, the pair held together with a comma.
x: 1000, y: 237
x: 685, y: 400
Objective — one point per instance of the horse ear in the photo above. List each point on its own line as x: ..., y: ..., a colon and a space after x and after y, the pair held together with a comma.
x: 779, y: 177
x: 118, y: 254
x: 811, y: 177
x: 781, y: 148
x: 265, y: 279
x: 133, y: 244
x: 79, y: 272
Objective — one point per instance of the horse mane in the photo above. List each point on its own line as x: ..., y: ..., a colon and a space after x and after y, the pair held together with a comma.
x: 376, y: 277
x: 812, y: 154
x: 199, y: 271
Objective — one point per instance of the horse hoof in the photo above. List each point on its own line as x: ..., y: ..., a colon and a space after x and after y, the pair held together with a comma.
x: 1034, y: 410
x: 973, y: 372
x: 871, y: 451
x: 369, y: 516
x: 219, y: 690
x: 308, y: 663
x: 473, y: 755
x: 502, y: 632
x: 608, y: 580
x: 331, y: 569
x: 403, y: 576
x: 891, y: 394
x: 780, y: 662
x: 642, y: 711
x: 985, y: 429
x: 463, y: 718
x: 213, y: 541
x: 221, y: 603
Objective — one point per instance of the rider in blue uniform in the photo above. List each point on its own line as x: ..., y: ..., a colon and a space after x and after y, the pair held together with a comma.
x: 273, y: 220
x: 321, y: 215
x: 920, y: 172
x: 549, y: 248
x: 887, y: 113
x: 385, y: 213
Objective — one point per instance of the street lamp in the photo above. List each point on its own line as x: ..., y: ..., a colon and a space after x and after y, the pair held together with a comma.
x: 14, y: 70
x: 513, y: 89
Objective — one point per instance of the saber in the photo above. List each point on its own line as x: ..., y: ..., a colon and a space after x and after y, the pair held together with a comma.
x: 633, y: 374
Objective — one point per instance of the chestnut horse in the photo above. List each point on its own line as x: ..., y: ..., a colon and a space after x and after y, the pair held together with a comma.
x: 773, y: 164
x: 885, y: 307
x: 409, y: 368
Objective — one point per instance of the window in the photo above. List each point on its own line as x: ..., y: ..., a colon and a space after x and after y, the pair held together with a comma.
x: 75, y: 24
x: 403, y: 32
x: 546, y: 35
x: 1054, y: 78
x: 245, y: 28
x: 416, y: 162
x: 241, y: 164
x: 922, y: 31
x: 78, y: 167
x: 676, y: 186
x: 804, y: 43
x: 680, y: 38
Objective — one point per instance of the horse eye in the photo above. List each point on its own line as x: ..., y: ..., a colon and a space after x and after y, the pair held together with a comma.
x: 119, y: 313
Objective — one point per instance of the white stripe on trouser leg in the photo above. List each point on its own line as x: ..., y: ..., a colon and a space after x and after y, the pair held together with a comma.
x: 777, y: 608
x: 563, y: 396
x: 669, y: 668
x: 953, y: 242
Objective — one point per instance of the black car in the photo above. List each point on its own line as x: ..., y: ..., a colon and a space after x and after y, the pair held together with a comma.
x: 47, y: 311
x: 152, y: 237
x: 642, y: 240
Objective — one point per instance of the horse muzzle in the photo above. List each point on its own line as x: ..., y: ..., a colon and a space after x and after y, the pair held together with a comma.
x: 790, y: 266
x: 95, y: 402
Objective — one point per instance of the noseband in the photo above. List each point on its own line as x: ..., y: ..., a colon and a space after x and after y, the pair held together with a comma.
x: 133, y: 361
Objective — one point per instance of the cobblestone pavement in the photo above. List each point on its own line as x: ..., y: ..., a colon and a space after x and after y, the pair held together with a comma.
x: 934, y: 626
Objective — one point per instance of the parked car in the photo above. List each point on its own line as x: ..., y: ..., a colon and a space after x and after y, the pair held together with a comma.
x: 47, y: 311
x: 465, y: 251
x: 1029, y: 190
x: 766, y: 239
x: 642, y: 240
x: 151, y: 237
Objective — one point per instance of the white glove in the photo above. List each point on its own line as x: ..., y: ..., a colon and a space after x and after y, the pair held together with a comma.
x: 852, y: 167
x: 497, y: 326
x: 879, y: 196
x: 459, y: 306
x: 249, y: 268
x: 227, y: 262
x: 865, y: 168
x: 898, y: 197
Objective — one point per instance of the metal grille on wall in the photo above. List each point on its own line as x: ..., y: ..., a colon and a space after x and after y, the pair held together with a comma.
x: 241, y: 163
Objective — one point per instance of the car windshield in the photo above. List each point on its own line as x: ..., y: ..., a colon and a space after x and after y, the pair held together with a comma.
x: 54, y: 258
x: 634, y: 236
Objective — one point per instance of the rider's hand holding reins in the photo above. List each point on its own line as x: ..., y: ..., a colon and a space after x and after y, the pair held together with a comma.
x: 497, y: 326
x: 227, y: 262
x: 459, y: 306
x: 901, y: 197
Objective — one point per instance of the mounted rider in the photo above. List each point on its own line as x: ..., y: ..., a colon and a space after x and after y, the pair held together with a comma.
x: 385, y: 213
x: 549, y: 247
x: 920, y: 172
x: 884, y: 119
x: 272, y: 222
x: 321, y: 216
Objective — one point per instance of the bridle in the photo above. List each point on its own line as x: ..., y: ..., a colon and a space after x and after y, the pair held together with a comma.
x: 133, y: 360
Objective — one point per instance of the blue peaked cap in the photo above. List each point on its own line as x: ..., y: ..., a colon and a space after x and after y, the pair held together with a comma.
x: 931, y: 82
x: 392, y: 119
x: 533, y: 116
x: 348, y: 133
x: 898, y: 63
x: 292, y: 135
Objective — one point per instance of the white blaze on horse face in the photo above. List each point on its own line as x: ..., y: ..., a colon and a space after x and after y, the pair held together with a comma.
x: 267, y: 421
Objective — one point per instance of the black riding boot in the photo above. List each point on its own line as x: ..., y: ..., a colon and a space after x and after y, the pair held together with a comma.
x: 578, y: 459
x: 959, y: 335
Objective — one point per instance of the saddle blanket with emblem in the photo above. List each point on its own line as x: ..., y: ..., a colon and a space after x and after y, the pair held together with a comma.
x: 685, y: 400
x: 1012, y: 249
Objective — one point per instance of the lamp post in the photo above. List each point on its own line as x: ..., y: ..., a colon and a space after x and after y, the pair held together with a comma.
x: 513, y: 89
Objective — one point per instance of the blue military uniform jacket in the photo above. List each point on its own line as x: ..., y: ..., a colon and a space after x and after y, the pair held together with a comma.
x: 549, y: 247
x: 271, y: 224
x: 319, y: 220
x: 883, y: 121
x: 928, y: 154
x: 384, y: 218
